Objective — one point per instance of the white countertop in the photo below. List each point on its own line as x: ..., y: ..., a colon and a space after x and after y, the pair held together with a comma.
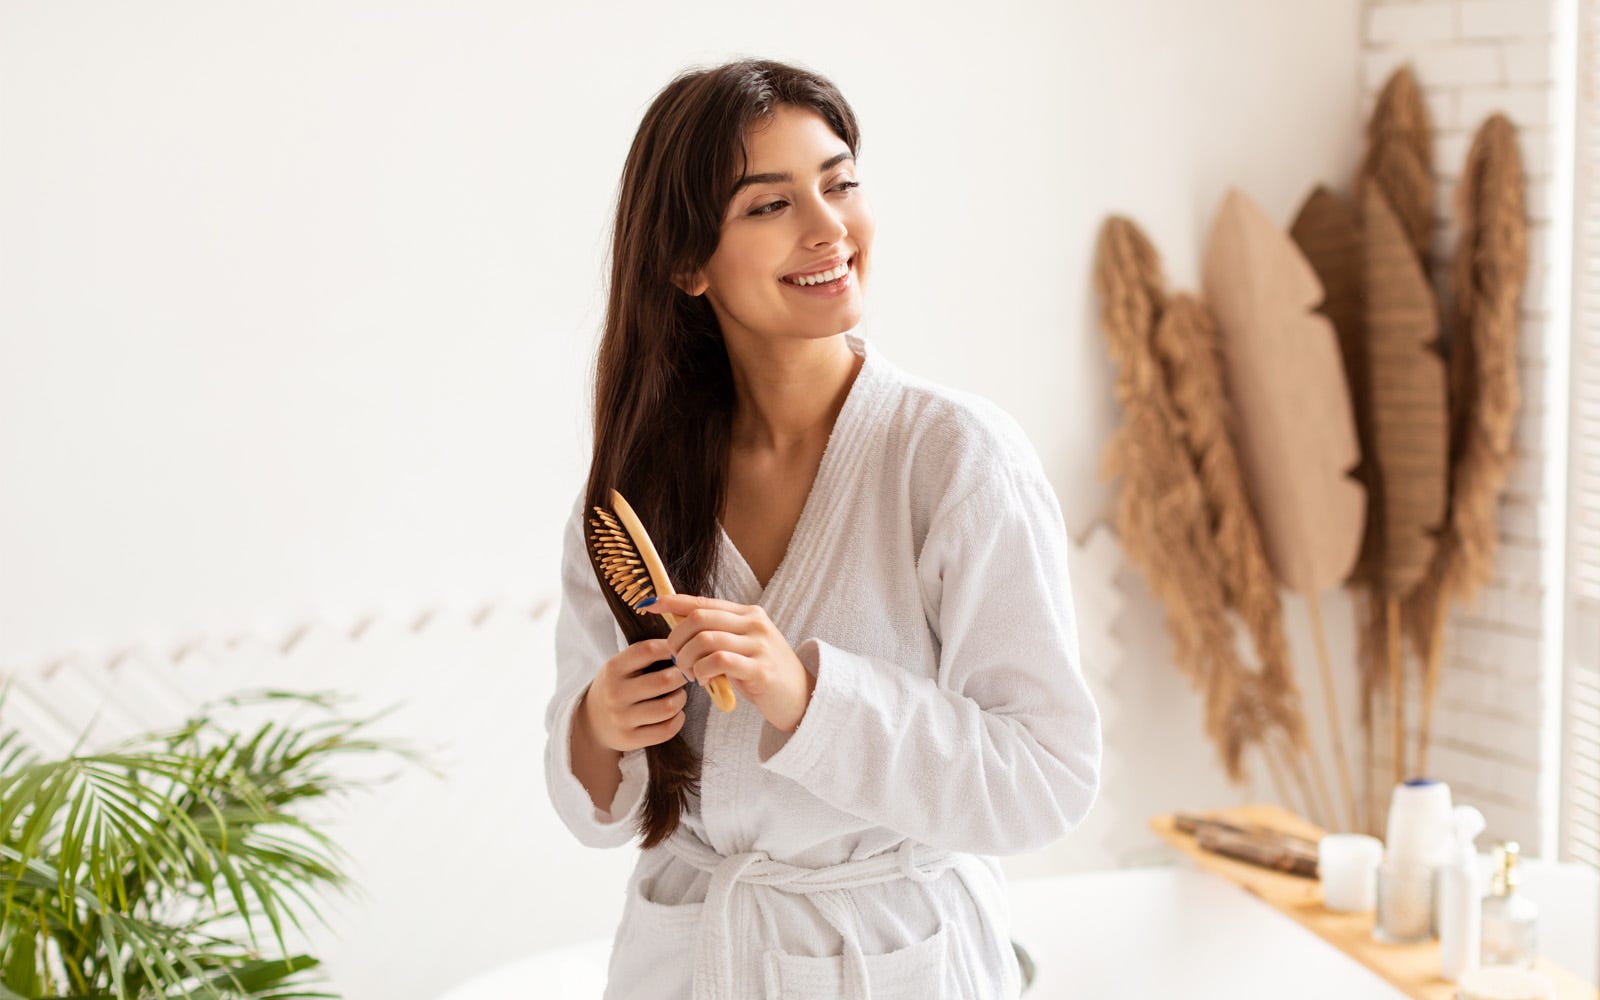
x: 1173, y: 932
x: 1166, y: 931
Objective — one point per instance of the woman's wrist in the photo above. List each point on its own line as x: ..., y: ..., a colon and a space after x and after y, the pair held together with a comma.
x: 805, y: 704
x: 585, y: 739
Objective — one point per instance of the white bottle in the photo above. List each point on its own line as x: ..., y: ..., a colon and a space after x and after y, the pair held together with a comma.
x: 1460, y: 894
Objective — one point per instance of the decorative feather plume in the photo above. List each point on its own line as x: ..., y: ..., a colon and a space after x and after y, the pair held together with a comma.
x: 1296, y: 431
x: 1399, y: 159
x: 1162, y: 516
x: 1488, y: 276
x: 1185, y: 343
x: 1160, y: 504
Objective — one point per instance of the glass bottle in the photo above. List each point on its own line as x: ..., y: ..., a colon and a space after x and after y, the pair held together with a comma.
x: 1509, y: 920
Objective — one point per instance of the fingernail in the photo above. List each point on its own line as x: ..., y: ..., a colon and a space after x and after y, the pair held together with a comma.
x: 645, y: 603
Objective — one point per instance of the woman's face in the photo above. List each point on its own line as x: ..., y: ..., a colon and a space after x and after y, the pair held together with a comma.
x: 797, y: 214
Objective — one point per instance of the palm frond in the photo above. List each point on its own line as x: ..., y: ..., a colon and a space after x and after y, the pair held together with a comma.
x: 133, y: 872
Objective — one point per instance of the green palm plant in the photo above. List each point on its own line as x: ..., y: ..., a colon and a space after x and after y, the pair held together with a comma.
x: 152, y: 870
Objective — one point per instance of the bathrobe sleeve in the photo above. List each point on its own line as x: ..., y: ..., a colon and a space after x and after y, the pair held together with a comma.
x: 586, y: 637
x: 999, y: 754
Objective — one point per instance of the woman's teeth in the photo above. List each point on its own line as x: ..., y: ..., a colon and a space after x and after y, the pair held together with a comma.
x: 825, y: 276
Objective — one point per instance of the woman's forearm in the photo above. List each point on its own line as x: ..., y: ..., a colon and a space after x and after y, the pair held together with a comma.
x: 598, y: 768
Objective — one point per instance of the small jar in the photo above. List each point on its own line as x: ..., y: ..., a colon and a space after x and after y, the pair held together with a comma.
x: 1405, y: 902
x: 1346, y: 866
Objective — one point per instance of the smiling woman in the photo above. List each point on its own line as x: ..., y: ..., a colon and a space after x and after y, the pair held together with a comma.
x: 875, y: 563
x: 796, y: 240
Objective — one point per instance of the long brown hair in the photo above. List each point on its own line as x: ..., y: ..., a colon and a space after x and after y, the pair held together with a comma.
x: 664, y: 399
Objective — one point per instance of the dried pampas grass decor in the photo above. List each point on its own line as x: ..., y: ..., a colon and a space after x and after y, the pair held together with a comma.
x: 1296, y: 430
x: 1488, y: 275
x: 1410, y: 438
x: 1399, y: 159
x: 1163, y: 517
x: 1186, y: 345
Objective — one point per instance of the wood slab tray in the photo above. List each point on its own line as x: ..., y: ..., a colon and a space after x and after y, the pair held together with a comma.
x: 1412, y: 969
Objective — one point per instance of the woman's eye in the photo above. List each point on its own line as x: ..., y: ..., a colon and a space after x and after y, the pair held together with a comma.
x: 773, y: 206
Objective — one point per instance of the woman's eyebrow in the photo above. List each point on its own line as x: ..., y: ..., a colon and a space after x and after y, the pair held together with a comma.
x: 786, y: 177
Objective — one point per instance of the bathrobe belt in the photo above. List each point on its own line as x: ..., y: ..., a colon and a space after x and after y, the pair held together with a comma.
x: 827, y: 887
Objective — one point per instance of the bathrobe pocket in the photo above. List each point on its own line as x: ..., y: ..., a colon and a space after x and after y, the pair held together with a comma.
x: 926, y: 970
x: 653, y: 954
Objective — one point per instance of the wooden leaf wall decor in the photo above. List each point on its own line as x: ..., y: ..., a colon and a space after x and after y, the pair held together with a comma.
x: 1407, y: 394
x: 1410, y: 436
x: 1328, y: 231
x: 1399, y: 159
x: 1297, y: 436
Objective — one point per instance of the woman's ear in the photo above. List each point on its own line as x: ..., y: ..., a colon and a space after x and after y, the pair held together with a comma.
x: 692, y: 284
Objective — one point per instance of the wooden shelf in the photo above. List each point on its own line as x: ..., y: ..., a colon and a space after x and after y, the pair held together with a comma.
x: 1412, y: 969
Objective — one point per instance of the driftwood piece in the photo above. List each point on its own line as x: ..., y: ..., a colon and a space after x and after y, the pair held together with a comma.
x: 1254, y: 844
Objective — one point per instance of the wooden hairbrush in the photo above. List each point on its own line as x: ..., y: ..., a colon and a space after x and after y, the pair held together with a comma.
x: 633, y: 569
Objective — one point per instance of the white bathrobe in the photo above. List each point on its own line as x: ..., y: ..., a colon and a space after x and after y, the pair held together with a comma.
x: 926, y: 588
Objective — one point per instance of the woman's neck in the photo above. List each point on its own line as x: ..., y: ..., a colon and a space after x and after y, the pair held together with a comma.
x: 788, y: 395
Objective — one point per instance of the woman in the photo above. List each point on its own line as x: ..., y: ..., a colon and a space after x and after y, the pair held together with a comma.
x: 876, y: 563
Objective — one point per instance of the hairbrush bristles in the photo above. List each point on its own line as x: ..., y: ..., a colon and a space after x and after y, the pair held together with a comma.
x: 628, y: 562
x: 619, y: 560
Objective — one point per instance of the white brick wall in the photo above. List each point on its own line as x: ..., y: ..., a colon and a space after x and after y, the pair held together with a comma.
x: 1472, y: 58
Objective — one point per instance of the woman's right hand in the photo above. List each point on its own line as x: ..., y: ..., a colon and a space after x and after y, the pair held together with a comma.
x: 625, y: 708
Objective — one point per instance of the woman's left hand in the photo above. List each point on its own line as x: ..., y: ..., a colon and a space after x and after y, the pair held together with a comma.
x: 715, y: 638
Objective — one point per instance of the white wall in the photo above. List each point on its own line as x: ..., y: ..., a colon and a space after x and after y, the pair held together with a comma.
x: 297, y: 302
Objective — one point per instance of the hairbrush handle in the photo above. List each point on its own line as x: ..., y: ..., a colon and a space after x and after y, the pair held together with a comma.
x: 721, y: 691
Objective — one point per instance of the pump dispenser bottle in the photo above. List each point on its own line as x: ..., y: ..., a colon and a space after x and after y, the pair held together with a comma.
x: 1460, y: 896
x: 1510, y: 921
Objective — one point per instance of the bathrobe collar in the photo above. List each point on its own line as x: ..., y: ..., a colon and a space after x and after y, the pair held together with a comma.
x: 841, y: 462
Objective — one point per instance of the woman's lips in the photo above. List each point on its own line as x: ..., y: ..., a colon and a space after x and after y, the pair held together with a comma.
x: 829, y: 290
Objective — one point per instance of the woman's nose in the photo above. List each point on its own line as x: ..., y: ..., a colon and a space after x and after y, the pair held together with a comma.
x: 824, y: 224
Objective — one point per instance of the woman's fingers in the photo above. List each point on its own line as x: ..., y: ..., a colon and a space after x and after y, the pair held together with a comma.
x: 711, y: 620
x: 704, y: 645
x: 629, y: 706
x: 661, y: 732
x: 683, y: 604
x: 633, y: 660
x: 638, y: 684
x: 648, y: 713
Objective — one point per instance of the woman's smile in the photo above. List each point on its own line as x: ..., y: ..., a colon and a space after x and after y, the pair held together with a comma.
x: 825, y: 284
